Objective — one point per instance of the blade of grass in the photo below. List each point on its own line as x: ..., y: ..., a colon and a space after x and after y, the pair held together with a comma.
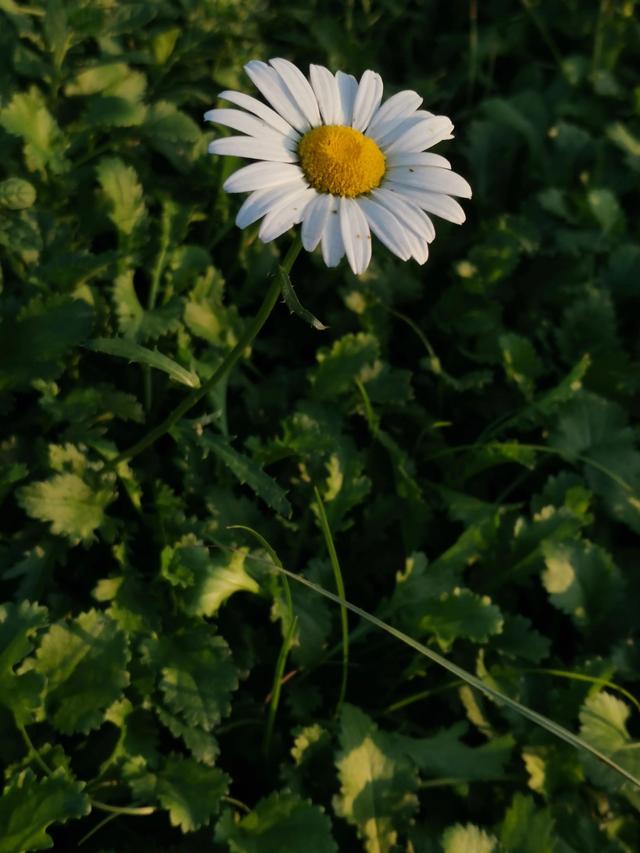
x: 337, y: 573
x: 544, y: 722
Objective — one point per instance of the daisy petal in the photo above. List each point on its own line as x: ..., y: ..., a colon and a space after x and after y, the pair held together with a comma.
x: 432, y: 179
x: 393, y: 130
x: 442, y: 205
x: 416, y: 158
x: 332, y: 243
x: 398, y: 106
x: 421, y: 253
x: 299, y: 88
x: 315, y: 220
x: 348, y: 89
x: 260, y: 202
x: 367, y: 100
x: 355, y: 235
x: 254, y: 126
x: 253, y: 105
x: 260, y: 176
x: 269, y: 83
x: 423, y: 135
x: 253, y: 149
x: 326, y: 90
x: 406, y: 212
x: 285, y: 215
x: 386, y: 228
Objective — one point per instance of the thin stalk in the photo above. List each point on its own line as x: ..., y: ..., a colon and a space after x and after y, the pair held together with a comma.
x: 277, y: 686
x: 42, y: 764
x: 337, y: 573
x: 223, y: 369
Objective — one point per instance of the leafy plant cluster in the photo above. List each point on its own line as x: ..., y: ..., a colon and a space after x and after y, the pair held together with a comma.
x: 458, y: 448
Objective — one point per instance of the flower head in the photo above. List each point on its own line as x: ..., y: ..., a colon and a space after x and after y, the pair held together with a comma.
x: 332, y: 156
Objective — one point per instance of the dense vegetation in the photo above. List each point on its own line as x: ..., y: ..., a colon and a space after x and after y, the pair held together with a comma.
x: 464, y: 433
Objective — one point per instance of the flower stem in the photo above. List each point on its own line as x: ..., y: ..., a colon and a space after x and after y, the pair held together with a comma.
x: 223, y: 369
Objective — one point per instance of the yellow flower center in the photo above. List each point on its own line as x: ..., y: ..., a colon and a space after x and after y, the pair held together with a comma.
x: 340, y: 160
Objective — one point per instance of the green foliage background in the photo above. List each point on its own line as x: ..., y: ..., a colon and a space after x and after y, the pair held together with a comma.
x: 471, y: 427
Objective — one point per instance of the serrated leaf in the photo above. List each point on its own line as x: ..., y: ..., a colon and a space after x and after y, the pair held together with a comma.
x: 136, y: 322
x: 445, y: 755
x: 526, y: 829
x: 211, y: 579
x: 27, y: 116
x: 28, y: 807
x: 123, y: 192
x: 583, y: 581
x: 519, y: 639
x: 20, y: 692
x: 57, y: 326
x: 72, y: 507
x: 190, y: 792
x: 460, y: 614
x: 293, y: 303
x: 247, y: 472
x: 377, y: 784
x: 85, y: 663
x: 197, y: 674
x: 468, y: 839
x: 596, y: 429
x: 134, y: 353
x: 202, y: 745
x: 339, y: 366
x: 282, y: 821
x: 603, y: 724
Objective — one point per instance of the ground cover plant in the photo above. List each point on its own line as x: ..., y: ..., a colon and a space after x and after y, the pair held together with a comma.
x: 456, y: 453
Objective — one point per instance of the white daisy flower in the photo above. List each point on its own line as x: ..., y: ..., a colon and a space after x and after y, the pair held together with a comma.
x: 335, y: 158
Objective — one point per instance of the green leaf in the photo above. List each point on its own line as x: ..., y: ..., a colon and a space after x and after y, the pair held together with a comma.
x: 582, y: 581
x: 519, y: 639
x: 134, y: 353
x: 597, y: 430
x: 603, y: 724
x: 190, y: 792
x: 247, y: 471
x: 377, y: 784
x: 207, y: 580
x: 72, y: 507
x: 85, y: 663
x: 136, y: 322
x: 339, y: 366
x: 17, y: 194
x: 460, y: 614
x: 21, y: 693
x: 28, y: 807
x: 445, y: 755
x: 57, y: 325
x: 282, y: 821
x: 27, y: 116
x: 124, y: 194
x: 521, y: 362
x: 18, y: 624
x: 526, y: 829
x: 197, y: 674
x: 468, y: 839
